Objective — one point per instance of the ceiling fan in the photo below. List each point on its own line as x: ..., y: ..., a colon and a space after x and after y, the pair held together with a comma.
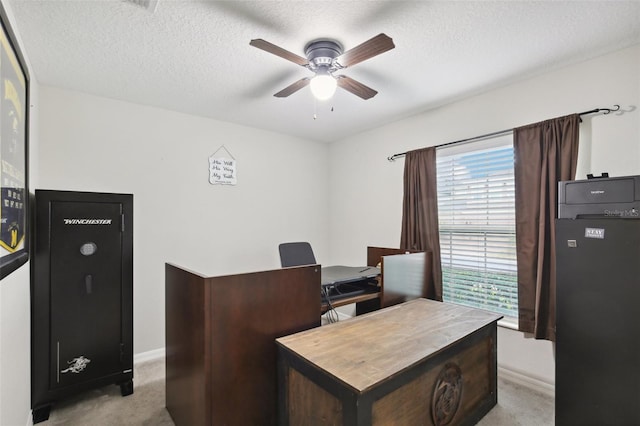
x: 324, y: 57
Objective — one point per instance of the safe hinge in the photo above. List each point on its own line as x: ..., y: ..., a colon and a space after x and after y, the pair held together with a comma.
x: 122, y: 223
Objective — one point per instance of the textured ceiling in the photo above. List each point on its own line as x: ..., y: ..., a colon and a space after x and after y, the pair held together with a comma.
x: 194, y: 56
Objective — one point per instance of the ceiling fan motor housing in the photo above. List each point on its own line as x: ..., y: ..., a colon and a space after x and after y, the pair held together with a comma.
x: 321, y: 53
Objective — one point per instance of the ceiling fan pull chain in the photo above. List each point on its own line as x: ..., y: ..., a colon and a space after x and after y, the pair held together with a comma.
x: 315, y: 108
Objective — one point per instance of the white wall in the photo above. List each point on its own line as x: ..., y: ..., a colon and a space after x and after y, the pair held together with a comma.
x: 15, y: 331
x: 366, y: 189
x: 15, y: 364
x: 95, y: 144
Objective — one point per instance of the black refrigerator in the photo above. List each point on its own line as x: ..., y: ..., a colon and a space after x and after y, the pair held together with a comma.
x: 598, y: 322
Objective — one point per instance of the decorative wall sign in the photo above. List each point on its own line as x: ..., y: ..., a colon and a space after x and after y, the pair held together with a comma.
x: 14, y: 192
x: 222, y: 170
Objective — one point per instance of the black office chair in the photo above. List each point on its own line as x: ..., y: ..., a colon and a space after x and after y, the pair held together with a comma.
x: 296, y: 254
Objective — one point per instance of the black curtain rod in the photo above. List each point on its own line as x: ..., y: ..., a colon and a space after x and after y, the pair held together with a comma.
x: 504, y: 132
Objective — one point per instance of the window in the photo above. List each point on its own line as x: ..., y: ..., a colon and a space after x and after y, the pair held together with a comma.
x: 476, y: 210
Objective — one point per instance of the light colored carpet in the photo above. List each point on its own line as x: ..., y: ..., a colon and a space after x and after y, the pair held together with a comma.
x: 517, y: 405
x: 520, y: 406
x: 106, y: 406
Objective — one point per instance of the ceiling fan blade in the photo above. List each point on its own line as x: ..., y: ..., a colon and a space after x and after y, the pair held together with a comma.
x: 292, y: 88
x: 370, y: 48
x: 355, y: 87
x: 278, y: 51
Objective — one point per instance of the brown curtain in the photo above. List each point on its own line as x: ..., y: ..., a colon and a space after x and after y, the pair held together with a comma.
x: 420, y: 212
x: 545, y: 153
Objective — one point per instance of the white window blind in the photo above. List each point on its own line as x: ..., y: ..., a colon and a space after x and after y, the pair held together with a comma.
x: 476, y: 211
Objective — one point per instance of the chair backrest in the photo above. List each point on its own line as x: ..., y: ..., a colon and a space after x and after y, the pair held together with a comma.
x: 296, y: 254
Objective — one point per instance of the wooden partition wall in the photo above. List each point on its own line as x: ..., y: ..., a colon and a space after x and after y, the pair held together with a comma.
x: 220, y: 341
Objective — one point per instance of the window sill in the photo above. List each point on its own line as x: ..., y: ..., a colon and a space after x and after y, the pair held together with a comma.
x: 509, y: 322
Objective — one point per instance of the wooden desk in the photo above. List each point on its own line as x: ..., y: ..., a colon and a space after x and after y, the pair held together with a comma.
x: 420, y: 362
x: 351, y: 299
x: 363, y: 282
x: 373, y: 301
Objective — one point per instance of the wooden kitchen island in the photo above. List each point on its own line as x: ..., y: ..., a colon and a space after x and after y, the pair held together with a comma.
x: 418, y: 363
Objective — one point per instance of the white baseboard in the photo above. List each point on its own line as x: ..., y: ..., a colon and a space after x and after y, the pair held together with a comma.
x: 505, y: 373
x: 509, y: 374
x: 149, y: 355
x: 341, y: 317
x: 526, y: 380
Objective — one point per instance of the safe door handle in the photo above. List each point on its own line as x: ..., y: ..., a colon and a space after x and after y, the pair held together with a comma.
x: 88, y: 283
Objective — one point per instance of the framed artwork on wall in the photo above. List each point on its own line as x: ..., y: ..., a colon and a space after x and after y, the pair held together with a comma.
x: 14, y: 195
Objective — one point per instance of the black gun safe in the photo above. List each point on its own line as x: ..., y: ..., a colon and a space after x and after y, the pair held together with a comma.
x: 81, y: 295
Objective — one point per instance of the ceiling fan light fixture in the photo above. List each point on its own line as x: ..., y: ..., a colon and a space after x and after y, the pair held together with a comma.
x: 323, y: 85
